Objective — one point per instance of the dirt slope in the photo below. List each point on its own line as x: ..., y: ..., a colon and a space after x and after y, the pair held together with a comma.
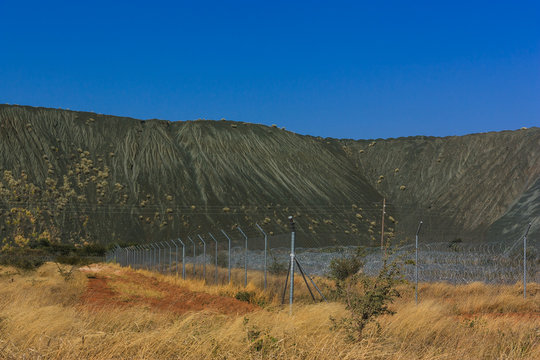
x: 189, y: 176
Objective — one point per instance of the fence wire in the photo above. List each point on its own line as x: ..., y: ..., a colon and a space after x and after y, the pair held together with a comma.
x: 222, y: 256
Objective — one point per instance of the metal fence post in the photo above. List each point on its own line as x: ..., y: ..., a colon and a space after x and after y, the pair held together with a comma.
x: 193, y: 242
x: 150, y: 257
x: 183, y: 259
x: 215, y: 258
x: 229, y: 239
x: 291, y: 292
x: 245, y: 255
x: 416, y: 266
x: 525, y: 261
x: 170, y: 257
x: 175, y: 256
x: 139, y: 254
x: 265, y: 252
x: 146, y: 256
x: 204, y: 257
x: 154, y: 256
x: 162, y: 264
x: 160, y: 268
x: 132, y: 256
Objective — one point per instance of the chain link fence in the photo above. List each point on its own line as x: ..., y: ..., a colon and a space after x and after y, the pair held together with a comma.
x: 245, y: 255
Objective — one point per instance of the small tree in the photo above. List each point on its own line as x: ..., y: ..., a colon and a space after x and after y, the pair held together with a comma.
x: 343, y: 267
x: 366, y: 297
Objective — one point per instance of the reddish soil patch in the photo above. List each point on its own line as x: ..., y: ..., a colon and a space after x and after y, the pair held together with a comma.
x: 175, y: 299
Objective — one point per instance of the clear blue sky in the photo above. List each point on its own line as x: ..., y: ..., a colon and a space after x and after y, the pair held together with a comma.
x: 342, y: 69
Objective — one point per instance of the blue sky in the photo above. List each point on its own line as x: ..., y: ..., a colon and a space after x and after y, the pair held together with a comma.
x: 341, y: 69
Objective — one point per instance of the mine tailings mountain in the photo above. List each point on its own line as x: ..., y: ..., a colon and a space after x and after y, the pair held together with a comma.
x: 134, y: 181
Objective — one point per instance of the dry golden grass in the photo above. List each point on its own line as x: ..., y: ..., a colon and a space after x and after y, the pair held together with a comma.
x: 255, y: 283
x: 42, y: 317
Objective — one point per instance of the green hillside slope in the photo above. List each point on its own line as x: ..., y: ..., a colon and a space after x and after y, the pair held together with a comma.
x: 147, y: 180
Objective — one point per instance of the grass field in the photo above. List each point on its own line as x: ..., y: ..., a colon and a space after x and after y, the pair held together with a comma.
x: 108, y: 312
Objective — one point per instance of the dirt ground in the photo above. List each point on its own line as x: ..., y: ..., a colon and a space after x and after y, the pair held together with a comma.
x: 141, y: 290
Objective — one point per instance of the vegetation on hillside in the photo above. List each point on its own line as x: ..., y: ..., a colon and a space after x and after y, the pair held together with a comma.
x: 188, y: 177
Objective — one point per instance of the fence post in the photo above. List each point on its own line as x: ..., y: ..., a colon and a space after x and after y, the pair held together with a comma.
x: 159, y: 256
x: 525, y: 261
x: 265, y: 252
x: 154, y: 257
x: 175, y: 256
x: 164, y: 249
x: 183, y: 259
x: 194, y: 259
x: 161, y: 245
x: 245, y: 255
x: 170, y: 257
x: 416, y: 266
x: 141, y: 256
x: 139, y: 253
x: 132, y: 256
x: 204, y: 257
x: 229, y: 239
x: 150, y: 265
x: 126, y: 257
x: 215, y: 258
x: 146, y: 256
x: 291, y: 292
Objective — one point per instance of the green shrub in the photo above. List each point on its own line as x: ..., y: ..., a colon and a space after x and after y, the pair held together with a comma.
x: 92, y: 250
x: 366, y: 298
x: 66, y: 274
x: 23, y: 262
x: 250, y: 297
x: 73, y: 260
x: 247, y: 296
x: 346, y: 266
